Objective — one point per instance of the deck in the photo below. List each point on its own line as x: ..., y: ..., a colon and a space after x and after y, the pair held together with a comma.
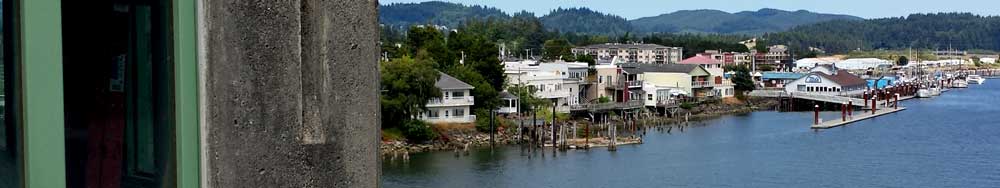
x: 857, y: 117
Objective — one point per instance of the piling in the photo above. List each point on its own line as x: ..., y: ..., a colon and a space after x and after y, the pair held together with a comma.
x: 850, y: 108
x: 843, y: 112
x: 816, y: 115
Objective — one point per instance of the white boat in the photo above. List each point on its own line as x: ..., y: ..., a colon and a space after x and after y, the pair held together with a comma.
x: 959, y: 84
x: 975, y: 79
x: 924, y: 93
x: 935, y: 91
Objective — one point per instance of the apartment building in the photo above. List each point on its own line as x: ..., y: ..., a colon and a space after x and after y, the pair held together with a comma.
x: 633, y: 52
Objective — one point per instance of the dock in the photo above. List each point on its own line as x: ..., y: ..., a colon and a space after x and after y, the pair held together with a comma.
x: 862, y: 115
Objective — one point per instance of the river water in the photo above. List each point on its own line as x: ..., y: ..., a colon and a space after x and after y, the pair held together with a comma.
x: 948, y: 141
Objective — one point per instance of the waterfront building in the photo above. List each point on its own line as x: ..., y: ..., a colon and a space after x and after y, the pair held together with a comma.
x: 778, y: 80
x: 605, y: 82
x: 729, y: 58
x: 553, y: 81
x: 828, y: 80
x: 189, y: 93
x: 721, y: 85
x: 691, y: 79
x: 950, y: 54
x: 777, y: 57
x: 658, y: 96
x: 632, y: 52
x: 453, y: 105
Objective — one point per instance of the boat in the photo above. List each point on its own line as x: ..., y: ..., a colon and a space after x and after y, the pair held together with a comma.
x: 959, y: 84
x: 924, y: 93
x: 975, y: 79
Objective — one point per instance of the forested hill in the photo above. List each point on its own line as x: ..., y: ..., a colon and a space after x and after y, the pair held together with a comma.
x: 962, y: 31
x: 435, y: 12
x: 746, y: 22
x: 586, y: 21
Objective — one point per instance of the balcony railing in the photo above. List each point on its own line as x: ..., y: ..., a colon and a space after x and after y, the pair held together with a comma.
x: 621, y: 84
x: 700, y: 84
x: 457, y: 101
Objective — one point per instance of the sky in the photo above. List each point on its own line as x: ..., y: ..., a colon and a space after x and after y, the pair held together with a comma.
x: 632, y: 9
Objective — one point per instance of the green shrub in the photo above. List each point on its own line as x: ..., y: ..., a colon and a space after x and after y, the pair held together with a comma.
x: 392, y: 134
x: 687, y: 105
x: 483, y: 121
x: 603, y: 100
x: 417, y: 131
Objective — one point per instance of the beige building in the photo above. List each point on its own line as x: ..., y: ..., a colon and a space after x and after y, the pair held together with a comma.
x: 633, y: 53
x: 692, y: 79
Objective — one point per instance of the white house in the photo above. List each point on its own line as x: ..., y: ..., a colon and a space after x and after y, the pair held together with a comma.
x: 454, y: 104
x: 828, y: 80
x: 548, y: 82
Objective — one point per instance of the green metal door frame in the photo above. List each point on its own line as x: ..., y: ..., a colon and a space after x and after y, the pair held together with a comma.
x: 41, y: 96
x: 42, y: 93
x: 186, y: 93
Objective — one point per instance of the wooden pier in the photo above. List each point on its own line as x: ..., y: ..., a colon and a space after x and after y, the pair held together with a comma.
x: 858, y: 116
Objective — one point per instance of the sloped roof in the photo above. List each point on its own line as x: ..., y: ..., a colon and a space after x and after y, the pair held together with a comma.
x: 844, y: 78
x: 700, y: 60
x: 448, y: 82
x: 637, y: 68
x: 781, y: 75
x: 507, y: 95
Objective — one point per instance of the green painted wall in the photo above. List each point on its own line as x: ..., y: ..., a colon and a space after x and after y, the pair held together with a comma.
x: 42, y: 112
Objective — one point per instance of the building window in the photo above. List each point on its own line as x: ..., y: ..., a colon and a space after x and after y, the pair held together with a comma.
x: 458, y: 113
x: 649, y: 97
x: 432, y: 114
x: 458, y: 94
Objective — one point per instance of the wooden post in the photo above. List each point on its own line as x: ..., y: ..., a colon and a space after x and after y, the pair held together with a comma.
x: 816, y: 115
x: 865, y: 98
x: 850, y: 108
x: 874, y: 104
x: 843, y: 112
x: 586, y: 143
x: 534, y: 126
x: 492, y: 129
x: 554, y: 104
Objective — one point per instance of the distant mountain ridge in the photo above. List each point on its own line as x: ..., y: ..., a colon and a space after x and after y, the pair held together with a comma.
x: 435, y: 12
x: 746, y: 22
x: 584, y: 20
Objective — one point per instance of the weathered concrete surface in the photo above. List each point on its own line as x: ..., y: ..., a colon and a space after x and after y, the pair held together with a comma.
x: 291, y: 93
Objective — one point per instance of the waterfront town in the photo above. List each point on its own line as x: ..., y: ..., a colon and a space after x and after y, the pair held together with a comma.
x: 631, y: 88
x: 513, y: 93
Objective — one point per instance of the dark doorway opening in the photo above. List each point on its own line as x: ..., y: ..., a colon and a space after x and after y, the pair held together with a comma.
x: 10, y: 131
x: 118, y: 93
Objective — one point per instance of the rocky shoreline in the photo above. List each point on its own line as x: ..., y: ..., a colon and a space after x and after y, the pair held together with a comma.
x: 465, y: 140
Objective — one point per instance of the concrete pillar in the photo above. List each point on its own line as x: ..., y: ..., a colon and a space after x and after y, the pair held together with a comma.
x: 290, y: 93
